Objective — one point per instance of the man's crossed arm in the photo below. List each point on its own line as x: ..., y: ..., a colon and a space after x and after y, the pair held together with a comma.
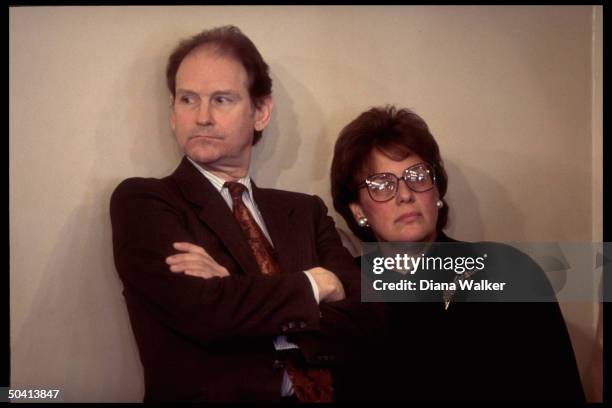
x: 195, y: 261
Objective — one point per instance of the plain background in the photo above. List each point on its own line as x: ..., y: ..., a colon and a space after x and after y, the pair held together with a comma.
x: 513, y: 96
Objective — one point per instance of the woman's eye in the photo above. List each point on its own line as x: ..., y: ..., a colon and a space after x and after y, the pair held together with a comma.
x: 384, y: 185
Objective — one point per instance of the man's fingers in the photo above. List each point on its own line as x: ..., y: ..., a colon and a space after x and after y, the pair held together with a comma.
x: 189, y: 247
x: 207, y: 273
x: 189, y: 256
x: 200, y: 269
x: 194, y: 261
x: 223, y: 271
x: 199, y: 273
x: 182, y: 266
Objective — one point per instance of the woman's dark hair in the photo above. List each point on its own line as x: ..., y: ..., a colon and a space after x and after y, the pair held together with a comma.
x: 395, y: 133
x: 231, y: 41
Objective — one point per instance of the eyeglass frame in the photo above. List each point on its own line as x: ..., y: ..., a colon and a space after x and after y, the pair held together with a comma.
x: 366, y: 182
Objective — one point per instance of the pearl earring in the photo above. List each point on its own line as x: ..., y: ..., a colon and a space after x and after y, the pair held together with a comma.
x: 440, y: 204
x: 363, y: 222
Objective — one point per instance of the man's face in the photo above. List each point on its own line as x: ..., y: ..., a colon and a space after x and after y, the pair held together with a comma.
x: 213, y: 117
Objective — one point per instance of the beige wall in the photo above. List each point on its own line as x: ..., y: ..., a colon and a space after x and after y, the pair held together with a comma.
x: 512, y: 94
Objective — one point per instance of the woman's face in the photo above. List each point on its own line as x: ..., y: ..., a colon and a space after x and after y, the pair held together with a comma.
x: 409, y: 216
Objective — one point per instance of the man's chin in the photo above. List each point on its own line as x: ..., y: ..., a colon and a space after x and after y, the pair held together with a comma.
x: 204, y: 158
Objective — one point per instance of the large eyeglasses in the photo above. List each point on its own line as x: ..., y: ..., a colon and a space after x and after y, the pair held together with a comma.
x: 383, y: 186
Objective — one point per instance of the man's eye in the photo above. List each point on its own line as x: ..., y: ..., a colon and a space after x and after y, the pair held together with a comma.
x: 223, y: 100
x: 187, y: 99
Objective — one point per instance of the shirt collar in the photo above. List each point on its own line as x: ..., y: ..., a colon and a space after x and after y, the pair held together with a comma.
x: 218, y: 182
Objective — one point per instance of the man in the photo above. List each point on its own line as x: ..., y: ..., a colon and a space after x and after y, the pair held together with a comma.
x: 228, y: 286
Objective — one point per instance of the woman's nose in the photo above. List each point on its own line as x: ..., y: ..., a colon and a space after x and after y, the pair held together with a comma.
x: 404, y: 193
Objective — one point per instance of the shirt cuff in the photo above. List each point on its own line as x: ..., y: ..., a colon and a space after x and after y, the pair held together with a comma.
x: 281, y: 343
x: 315, y: 288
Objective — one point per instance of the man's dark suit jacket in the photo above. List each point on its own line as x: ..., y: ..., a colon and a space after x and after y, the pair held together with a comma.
x: 211, y: 339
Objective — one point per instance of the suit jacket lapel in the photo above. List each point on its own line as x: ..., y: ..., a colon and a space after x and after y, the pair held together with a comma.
x: 215, y: 213
x: 278, y: 220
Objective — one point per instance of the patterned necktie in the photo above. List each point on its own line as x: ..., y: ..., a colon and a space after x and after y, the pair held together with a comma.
x: 309, y: 384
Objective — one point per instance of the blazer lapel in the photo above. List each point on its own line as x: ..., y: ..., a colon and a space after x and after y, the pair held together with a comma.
x: 215, y: 213
x: 278, y: 220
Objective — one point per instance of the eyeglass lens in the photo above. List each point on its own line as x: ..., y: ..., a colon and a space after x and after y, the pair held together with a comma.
x: 383, y: 186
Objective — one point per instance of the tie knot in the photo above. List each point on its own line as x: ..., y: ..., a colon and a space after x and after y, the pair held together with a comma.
x: 235, y: 189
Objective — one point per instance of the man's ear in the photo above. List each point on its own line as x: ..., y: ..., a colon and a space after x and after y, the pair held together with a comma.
x: 357, y: 211
x: 263, y: 113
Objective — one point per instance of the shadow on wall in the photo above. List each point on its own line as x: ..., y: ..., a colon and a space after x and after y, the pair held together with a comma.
x: 288, y: 147
x: 480, y: 204
x: 135, y: 129
x: 78, y: 338
x: 278, y: 148
x: 464, y: 218
x: 144, y: 137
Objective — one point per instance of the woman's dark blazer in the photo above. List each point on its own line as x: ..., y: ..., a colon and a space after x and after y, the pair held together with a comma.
x: 473, y: 351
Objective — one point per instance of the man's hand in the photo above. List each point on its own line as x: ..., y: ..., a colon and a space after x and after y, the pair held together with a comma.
x: 330, y: 287
x: 195, y: 261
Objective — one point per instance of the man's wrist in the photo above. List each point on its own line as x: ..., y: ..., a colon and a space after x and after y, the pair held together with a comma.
x: 315, y: 288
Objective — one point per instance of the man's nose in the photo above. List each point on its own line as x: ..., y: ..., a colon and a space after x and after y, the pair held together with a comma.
x: 404, y: 193
x: 205, y: 116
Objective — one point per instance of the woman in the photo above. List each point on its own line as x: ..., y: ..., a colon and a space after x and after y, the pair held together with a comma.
x: 388, y: 183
